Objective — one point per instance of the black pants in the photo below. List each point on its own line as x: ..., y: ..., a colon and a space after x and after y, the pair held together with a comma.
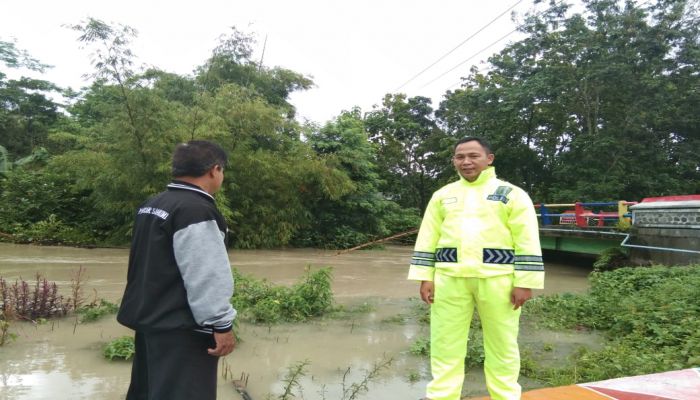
x: 173, y: 365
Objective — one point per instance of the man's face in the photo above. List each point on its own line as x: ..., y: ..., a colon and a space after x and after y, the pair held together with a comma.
x: 470, y: 159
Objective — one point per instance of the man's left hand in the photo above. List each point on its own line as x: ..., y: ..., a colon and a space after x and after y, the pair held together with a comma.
x: 225, y: 343
x: 519, y: 296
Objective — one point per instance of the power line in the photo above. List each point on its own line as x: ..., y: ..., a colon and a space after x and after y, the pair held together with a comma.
x: 485, y: 48
x: 470, y: 57
x: 458, y: 46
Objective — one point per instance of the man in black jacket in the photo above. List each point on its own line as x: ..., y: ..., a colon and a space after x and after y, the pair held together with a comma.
x: 179, y: 282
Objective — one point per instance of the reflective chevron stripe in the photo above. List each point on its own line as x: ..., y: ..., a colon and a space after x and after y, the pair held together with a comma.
x: 424, y: 255
x: 535, y: 259
x: 425, y: 263
x: 446, y: 255
x: 499, y: 256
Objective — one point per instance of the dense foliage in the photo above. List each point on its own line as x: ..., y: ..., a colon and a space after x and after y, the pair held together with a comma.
x: 596, y: 105
x: 651, y: 318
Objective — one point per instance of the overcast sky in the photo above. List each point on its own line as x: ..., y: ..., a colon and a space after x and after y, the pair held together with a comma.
x: 355, y: 51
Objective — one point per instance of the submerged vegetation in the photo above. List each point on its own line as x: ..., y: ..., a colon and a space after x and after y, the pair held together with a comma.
x: 40, y: 300
x: 260, y: 301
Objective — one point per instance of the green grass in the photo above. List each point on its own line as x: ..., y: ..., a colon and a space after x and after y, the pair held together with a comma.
x: 650, y: 317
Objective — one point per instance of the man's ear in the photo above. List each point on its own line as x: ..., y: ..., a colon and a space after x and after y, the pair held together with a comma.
x: 491, y: 157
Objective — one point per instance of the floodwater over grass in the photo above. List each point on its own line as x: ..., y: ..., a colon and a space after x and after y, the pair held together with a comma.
x: 60, y: 359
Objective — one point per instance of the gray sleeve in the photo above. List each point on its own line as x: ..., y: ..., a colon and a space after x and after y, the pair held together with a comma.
x: 201, y: 255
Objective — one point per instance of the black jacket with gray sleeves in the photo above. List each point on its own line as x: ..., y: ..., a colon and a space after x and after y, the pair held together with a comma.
x: 179, y: 273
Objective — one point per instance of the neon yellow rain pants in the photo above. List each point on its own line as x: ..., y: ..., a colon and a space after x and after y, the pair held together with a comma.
x: 451, y: 314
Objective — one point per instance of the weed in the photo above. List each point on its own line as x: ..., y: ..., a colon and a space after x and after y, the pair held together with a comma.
x: 95, y: 310
x: 420, y: 347
x: 5, y: 334
x: 343, y: 312
x: 291, y: 379
x: 30, y: 302
x: 259, y: 301
x: 122, y: 348
x: 353, y: 390
x: 395, y: 319
x: 413, y: 376
x: 76, y: 285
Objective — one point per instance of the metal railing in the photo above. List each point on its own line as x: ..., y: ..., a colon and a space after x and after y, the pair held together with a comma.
x: 584, y: 215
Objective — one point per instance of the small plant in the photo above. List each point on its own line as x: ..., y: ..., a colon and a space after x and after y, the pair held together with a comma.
x: 122, y: 348
x: 5, y: 334
x: 291, y: 379
x: 420, y: 347
x: 345, y: 312
x: 395, y: 319
x: 31, y: 302
x: 76, y: 285
x: 413, y: 376
x: 96, y: 310
x: 353, y: 390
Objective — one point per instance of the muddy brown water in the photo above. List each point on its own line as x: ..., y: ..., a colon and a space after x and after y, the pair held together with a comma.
x: 62, y: 360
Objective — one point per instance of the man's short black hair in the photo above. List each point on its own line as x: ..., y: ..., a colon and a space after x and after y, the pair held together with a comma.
x: 486, y: 145
x: 196, y: 157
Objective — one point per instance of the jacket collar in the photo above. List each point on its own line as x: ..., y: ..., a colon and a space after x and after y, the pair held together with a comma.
x: 180, y: 185
x: 485, y: 176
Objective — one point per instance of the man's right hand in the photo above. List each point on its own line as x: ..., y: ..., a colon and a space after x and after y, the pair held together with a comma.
x: 225, y: 343
x: 427, y: 291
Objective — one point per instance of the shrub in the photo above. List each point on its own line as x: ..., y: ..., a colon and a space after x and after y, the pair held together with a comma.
x: 260, y: 301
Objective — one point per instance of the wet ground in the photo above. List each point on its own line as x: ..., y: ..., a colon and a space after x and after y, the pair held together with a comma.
x: 63, y: 360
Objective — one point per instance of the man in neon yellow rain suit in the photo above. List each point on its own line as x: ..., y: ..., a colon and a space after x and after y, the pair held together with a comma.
x: 478, y: 245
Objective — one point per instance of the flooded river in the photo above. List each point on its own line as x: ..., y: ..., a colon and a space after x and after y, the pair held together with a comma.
x: 63, y: 360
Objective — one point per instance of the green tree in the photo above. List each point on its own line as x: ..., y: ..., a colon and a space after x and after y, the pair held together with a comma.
x: 412, y: 150
x: 231, y: 62
x: 26, y: 111
x: 362, y: 213
x: 591, y: 106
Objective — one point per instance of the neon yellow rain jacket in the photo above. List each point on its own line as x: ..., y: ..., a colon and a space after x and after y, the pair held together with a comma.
x: 480, y: 229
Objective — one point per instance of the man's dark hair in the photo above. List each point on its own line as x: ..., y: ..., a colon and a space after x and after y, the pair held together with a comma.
x: 486, y: 145
x: 196, y: 157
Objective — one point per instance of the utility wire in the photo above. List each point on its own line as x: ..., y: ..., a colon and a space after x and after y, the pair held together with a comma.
x: 503, y: 37
x: 470, y: 57
x: 458, y: 46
